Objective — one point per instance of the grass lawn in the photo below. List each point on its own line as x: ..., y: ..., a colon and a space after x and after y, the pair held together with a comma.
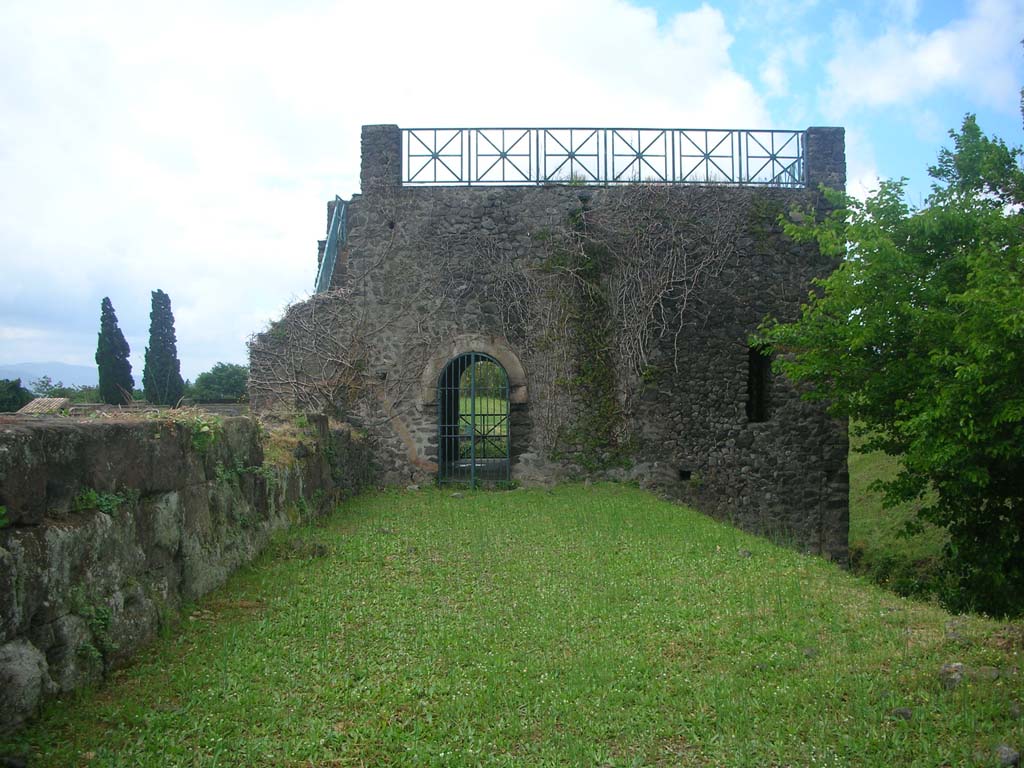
x: 491, y: 413
x: 591, y: 626
x: 878, y: 546
x: 490, y: 427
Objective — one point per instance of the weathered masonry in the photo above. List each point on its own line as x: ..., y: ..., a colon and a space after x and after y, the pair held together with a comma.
x: 530, y: 304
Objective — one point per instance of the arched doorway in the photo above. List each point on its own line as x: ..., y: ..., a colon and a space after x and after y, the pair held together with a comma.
x: 473, y: 421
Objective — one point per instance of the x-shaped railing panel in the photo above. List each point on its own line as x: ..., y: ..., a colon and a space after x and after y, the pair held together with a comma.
x: 511, y: 156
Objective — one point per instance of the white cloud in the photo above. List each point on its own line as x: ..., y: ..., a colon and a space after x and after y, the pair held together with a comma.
x: 902, y: 11
x: 774, y: 71
x: 192, y: 147
x: 977, y: 54
x: 774, y: 14
x: 862, y: 175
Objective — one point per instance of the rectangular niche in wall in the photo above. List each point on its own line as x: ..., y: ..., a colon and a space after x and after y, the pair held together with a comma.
x: 759, y: 378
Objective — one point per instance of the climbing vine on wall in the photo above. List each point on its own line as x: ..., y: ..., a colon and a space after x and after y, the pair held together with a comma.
x: 597, y: 304
x: 594, y: 436
x: 665, y: 247
x: 638, y: 265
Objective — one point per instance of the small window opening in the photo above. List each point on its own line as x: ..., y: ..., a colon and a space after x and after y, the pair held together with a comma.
x: 685, y: 474
x: 759, y: 376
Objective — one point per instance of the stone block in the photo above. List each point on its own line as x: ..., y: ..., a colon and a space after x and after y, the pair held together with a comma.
x: 24, y: 680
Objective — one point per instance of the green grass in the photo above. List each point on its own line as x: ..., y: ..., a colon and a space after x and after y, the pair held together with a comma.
x: 491, y: 416
x: 879, y: 546
x: 490, y: 419
x: 585, y: 626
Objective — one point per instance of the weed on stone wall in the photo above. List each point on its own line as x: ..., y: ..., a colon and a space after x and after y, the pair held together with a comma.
x: 98, y: 618
x: 89, y: 499
x: 204, y: 429
x: 230, y: 475
x: 283, y: 436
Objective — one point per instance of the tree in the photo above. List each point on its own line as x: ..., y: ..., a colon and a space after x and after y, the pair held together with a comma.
x: 918, y: 338
x: 225, y: 382
x: 161, y: 377
x: 116, y: 382
x: 13, y: 396
x: 44, y: 386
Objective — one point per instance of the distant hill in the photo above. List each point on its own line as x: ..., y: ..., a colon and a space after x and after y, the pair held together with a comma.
x: 69, y: 375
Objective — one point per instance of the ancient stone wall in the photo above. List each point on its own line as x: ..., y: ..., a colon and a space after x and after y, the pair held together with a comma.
x: 109, y: 526
x: 626, y: 309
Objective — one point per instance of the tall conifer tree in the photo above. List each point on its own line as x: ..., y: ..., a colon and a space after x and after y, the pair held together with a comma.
x: 161, y: 378
x: 116, y: 382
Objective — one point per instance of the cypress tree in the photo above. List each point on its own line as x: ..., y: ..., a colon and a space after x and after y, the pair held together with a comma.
x: 116, y: 382
x: 161, y: 378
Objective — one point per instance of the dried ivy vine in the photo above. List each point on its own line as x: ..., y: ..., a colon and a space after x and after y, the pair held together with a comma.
x: 640, y: 262
x: 599, y: 306
x: 331, y: 353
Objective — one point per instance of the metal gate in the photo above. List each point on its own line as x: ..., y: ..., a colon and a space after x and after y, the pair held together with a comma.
x: 473, y: 421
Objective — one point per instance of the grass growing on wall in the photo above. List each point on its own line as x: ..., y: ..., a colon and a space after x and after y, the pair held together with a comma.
x: 593, y: 626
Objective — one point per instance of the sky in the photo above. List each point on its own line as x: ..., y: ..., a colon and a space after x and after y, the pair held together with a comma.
x: 192, y: 147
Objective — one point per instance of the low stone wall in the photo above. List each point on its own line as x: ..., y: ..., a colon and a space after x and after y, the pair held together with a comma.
x: 108, y: 527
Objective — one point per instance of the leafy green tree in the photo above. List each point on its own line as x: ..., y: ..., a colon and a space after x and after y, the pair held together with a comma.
x: 161, y: 377
x: 918, y: 338
x: 44, y: 386
x: 13, y: 396
x: 225, y: 382
x: 116, y: 382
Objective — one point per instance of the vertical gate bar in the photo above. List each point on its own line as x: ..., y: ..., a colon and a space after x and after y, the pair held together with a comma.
x: 740, y: 162
x: 735, y: 147
x: 440, y: 432
x: 540, y: 172
x: 604, y: 151
x: 542, y: 143
x: 508, y: 428
x: 803, y: 155
x: 472, y: 420
x: 742, y: 144
x: 533, y: 149
x: 672, y: 149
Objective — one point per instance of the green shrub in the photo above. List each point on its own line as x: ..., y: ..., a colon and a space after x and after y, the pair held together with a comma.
x: 205, y: 429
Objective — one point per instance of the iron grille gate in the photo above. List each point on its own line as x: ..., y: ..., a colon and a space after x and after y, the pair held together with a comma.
x: 473, y: 421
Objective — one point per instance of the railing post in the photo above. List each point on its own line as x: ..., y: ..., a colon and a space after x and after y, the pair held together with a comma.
x: 382, y: 158
x: 825, y: 158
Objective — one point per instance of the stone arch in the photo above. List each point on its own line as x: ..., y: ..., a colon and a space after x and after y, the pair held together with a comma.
x: 495, y: 346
